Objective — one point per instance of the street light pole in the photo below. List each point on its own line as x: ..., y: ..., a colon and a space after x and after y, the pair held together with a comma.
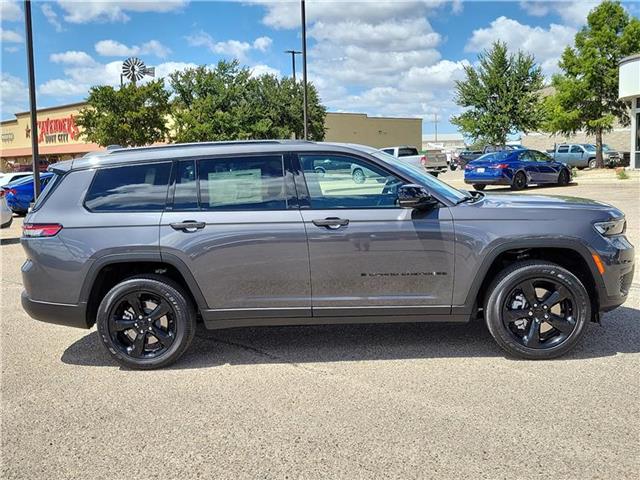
x: 32, y: 100
x: 293, y: 61
x: 304, y: 68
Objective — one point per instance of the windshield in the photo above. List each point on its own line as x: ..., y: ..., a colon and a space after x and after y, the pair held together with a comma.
x: 423, y: 178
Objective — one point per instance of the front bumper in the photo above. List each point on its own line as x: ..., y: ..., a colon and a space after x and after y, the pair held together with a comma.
x: 58, y: 313
x: 618, y: 275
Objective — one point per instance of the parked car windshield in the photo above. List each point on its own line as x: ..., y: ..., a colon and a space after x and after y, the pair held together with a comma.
x: 429, y: 181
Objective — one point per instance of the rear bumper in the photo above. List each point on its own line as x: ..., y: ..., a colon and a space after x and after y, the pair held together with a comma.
x: 490, y: 176
x: 58, y: 313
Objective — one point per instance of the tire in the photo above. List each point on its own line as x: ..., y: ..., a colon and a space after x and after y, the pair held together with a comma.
x: 506, y: 328
x: 435, y: 174
x: 453, y: 168
x: 519, y: 181
x: 320, y: 171
x: 479, y: 187
x: 7, y: 224
x: 592, y: 164
x: 563, y: 177
x: 177, y: 336
x: 358, y: 176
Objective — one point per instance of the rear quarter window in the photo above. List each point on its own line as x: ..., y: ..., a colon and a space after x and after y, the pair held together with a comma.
x: 129, y: 188
x: 407, y: 152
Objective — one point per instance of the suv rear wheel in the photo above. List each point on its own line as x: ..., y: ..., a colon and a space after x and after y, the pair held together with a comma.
x: 146, y: 322
x: 537, y: 310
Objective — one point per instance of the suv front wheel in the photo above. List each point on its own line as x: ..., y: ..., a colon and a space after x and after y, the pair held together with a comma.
x: 146, y: 322
x: 537, y: 310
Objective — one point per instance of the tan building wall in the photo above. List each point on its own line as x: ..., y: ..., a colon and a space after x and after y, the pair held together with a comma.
x: 58, y: 134
x: 374, y: 131
x: 618, y: 139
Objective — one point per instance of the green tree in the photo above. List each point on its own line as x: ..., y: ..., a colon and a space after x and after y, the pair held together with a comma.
x: 500, y: 96
x: 132, y: 115
x: 227, y: 103
x: 586, y: 93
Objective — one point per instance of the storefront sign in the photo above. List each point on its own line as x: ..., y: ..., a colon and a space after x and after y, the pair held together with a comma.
x: 7, y: 137
x: 57, y: 130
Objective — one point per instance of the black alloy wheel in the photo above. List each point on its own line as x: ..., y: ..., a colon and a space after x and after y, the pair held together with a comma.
x: 539, y: 321
x: 519, y: 181
x: 563, y: 178
x: 146, y: 322
x: 142, y: 324
x: 537, y: 309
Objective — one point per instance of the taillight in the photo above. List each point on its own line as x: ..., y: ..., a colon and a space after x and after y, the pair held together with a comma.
x: 501, y: 165
x: 468, y: 167
x: 423, y: 160
x: 2, y: 193
x: 8, y: 191
x: 40, y: 230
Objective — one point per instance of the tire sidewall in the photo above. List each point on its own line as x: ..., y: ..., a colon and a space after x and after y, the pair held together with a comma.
x: 515, y: 185
x: 493, y: 309
x: 358, y: 176
x: 185, y: 322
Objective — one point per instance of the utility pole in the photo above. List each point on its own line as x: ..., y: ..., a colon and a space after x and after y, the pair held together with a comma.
x: 293, y: 61
x: 32, y: 100
x: 304, y: 67
x: 435, y: 124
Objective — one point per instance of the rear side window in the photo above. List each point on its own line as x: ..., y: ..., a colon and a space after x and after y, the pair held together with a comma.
x: 242, y: 183
x: 129, y: 188
x: 407, y: 152
x: 564, y: 149
x: 47, y: 186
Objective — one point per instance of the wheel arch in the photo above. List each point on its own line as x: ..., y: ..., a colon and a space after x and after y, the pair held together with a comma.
x: 568, y: 253
x: 107, y: 271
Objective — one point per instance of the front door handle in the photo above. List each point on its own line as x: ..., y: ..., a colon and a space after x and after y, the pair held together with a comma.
x: 331, y: 222
x: 188, y: 226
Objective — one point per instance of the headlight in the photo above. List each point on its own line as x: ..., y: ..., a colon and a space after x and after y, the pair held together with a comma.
x: 612, y: 227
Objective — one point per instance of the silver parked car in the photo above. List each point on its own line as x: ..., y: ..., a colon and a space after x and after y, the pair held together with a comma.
x: 146, y: 242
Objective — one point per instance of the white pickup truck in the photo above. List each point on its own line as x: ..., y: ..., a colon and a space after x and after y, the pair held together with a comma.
x: 433, y: 161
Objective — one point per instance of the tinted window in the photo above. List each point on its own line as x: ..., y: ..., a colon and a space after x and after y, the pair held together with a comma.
x: 130, y: 188
x: 576, y: 149
x: 407, y: 152
x: 526, y: 156
x: 349, y: 183
x: 539, y: 156
x: 242, y: 183
x: 185, y: 196
x: 563, y: 149
x: 388, y: 150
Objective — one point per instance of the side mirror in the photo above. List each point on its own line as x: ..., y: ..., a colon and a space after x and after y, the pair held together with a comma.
x: 415, y: 196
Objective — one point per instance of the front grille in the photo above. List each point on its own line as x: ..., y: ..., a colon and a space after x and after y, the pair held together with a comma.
x: 625, y: 282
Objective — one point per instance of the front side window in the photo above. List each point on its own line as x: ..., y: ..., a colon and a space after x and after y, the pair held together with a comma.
x: 242, y: 183
x: 129, y: 188
x: 563, y: 149
x: 576, y: 149
x: 348, y: 182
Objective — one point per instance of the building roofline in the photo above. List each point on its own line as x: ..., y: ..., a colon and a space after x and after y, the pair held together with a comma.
x: 630, y: 58
x: 46, y: 109
x: 374, y: 117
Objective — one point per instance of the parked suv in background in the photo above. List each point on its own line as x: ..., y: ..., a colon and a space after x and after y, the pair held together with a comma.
x: 583, y: 155
x: 147, y: 241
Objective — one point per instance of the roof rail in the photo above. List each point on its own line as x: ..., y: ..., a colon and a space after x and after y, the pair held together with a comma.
x: 117, y: 149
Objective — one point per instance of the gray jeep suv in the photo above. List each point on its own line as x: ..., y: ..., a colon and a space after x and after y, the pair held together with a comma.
x: 146, y: 242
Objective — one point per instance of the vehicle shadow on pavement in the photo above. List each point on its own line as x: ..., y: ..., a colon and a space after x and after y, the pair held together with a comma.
x: 619, y: 333
x: 9, y: 241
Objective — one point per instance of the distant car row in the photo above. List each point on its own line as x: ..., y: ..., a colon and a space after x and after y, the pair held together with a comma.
x: 18, y: 193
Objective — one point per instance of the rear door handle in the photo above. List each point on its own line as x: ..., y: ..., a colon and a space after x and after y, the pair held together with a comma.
x: 188, y: 226
x: 331, y: 222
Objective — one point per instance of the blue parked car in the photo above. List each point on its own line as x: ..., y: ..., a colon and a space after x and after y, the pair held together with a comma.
x: 516, y: 168
x: 19, y: 193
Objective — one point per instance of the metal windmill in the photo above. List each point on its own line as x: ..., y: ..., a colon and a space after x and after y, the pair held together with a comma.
x: 134, y: 69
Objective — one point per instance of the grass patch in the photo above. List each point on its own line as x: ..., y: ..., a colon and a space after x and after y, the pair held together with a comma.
x: 621, y: 173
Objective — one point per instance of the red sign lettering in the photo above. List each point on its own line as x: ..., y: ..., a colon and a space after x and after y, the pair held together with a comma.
x: 57, y: 125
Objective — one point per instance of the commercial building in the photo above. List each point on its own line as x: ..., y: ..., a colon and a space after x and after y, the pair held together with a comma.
x: 58, y: 134
x: 629, y: 91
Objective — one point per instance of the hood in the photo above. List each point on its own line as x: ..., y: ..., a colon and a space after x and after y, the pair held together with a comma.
x: 546, y: 202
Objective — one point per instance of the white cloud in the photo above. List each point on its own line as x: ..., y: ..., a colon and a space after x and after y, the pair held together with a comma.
x: 12, y: 49
x: 13, y: 95
x: 10, y: 36
x: 10, y: 11
x: 72, y: 57
x: 261, y: 69
x: 112, y: 48
x: 262, y: 43
x: 546, y: 45
x: 380, y: 57
x: 232, y: 48
x: 52, y: 17
x: 80, y: 78
x: 572, y: 12
x: 114, y: 10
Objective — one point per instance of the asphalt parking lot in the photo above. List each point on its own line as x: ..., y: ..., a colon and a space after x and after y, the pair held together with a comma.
x: 385, y: 401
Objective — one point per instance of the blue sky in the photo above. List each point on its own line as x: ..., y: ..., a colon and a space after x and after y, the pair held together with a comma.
x: 396, y: 58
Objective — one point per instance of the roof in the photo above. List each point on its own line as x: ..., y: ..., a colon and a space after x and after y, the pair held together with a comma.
x: 159, y: 153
